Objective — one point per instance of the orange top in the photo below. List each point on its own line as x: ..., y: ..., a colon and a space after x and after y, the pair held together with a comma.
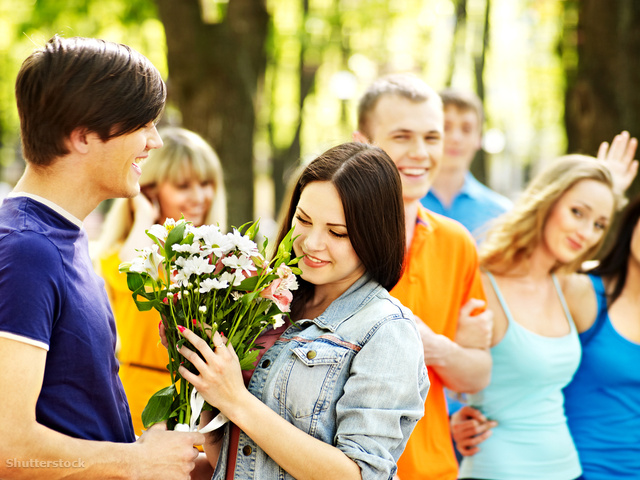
x: 441, y: 274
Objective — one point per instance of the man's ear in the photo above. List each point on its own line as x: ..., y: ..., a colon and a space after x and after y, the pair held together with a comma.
x: 360, y: 137
x: 79, y: 141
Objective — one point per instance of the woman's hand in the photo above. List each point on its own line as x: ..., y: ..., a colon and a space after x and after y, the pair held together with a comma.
x: 220, y: 381
x: 619, y: 160
x: 470, y: 428
x: 145, y: 213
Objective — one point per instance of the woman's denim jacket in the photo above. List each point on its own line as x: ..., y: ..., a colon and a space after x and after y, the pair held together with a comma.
x: 354, y: 377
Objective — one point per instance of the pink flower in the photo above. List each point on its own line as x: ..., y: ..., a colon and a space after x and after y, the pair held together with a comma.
x: 278, y: 295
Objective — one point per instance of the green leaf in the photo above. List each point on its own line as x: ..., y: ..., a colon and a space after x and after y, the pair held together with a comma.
x: 252, y: 230
x: 246, y: 363
x: 175, y: 236
x: 134, y: 281
x: 158, y: 408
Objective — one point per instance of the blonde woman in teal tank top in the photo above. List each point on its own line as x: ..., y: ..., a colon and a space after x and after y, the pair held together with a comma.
x: 558, y: 222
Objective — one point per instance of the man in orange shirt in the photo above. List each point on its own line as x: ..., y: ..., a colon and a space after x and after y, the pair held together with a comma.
x: 441, y: 282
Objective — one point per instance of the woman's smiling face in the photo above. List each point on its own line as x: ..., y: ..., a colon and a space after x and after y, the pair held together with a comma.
x: 322, y: 238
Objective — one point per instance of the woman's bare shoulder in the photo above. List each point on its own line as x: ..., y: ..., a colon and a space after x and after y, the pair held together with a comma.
x: 581, y: 299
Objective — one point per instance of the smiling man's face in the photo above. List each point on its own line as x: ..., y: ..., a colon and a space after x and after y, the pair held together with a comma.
x: 412, y: 135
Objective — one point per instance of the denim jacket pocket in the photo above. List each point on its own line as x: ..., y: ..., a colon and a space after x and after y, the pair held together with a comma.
x: 307, y: 383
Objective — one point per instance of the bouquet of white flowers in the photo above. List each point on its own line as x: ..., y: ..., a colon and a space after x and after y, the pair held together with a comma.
x: 200, y: 278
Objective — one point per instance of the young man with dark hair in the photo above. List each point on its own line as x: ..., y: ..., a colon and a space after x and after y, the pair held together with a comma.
x: 87, y: 112
x: 441, y: 281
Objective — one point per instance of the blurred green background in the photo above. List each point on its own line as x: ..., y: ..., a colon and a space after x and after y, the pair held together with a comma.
x: 271, y: 83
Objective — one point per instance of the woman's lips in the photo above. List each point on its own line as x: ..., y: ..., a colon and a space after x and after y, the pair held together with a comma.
x: 313, y: 262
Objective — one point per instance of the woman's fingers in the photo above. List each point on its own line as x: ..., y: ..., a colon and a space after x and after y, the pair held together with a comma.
x: 199, y: 344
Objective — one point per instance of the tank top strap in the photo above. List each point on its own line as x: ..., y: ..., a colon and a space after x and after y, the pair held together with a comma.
x: 501, y: 299
x: 563, y: 302
x: 603, y: 313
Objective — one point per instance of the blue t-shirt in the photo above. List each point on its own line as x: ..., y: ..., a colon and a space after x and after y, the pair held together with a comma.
x: 51, y: 298
x: 602, y: 401
x: 474, y: 205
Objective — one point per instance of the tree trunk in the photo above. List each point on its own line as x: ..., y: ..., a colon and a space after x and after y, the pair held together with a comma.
x: 479, y: 164
x: 214, y: 73
x: 602, y: 95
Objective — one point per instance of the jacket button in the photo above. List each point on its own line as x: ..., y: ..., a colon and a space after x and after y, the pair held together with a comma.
x: 311, y: 354
x: 266, y: 363
x: 246, y: 450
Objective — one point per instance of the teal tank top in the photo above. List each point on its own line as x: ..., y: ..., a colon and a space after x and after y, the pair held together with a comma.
x: 532, y: 439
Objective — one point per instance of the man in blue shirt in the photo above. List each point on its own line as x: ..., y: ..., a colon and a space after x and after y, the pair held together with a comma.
x: 87, y: 115
x: 455, y: 192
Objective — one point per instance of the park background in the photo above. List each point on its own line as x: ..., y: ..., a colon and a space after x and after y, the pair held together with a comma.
x: 271, y: 83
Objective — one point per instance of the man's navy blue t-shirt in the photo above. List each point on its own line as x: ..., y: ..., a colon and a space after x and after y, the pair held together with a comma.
x: 50, y: 297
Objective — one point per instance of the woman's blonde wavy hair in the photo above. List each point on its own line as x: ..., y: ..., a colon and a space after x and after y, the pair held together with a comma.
x: 513, y: 237
x: 184, y: 153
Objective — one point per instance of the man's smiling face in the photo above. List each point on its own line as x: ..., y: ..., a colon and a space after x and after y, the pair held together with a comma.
x: 412, y: 135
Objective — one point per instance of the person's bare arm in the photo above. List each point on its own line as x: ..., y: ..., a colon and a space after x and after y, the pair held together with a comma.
x: 157, y: 454
x: 462, y: 369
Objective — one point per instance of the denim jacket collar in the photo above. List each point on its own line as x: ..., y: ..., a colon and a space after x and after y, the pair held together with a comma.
x: 347, y: 304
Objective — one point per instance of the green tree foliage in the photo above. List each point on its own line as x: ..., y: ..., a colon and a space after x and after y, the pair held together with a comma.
x: 272, y: 83
x: 27, y: 25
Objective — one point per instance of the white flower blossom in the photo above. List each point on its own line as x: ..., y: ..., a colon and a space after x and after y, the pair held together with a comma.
x: 148, y: 262
x: 190, y: 248
x: 209, y: 234
x: 278, y: 321
x: 232, y: 278
x: 223, y: 246
x: 212, y: 283
x: 243, y: 243
x: 243, y: 263
x: 195, y: 265
x: 159, y: 232
x: 203, y: 309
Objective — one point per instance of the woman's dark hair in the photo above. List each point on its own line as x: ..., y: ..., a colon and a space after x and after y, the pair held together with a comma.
x: 615, y: 263
x: 369, y: 186
x: 106, y: 87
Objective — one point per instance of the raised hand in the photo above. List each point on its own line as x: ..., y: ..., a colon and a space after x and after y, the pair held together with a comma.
x: 619, y: 159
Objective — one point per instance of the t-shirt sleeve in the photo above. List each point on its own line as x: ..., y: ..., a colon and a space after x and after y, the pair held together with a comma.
x: 32, y: 287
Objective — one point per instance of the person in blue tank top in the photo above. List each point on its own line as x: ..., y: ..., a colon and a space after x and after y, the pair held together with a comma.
x: 558, y: 222
x: 602, y: 402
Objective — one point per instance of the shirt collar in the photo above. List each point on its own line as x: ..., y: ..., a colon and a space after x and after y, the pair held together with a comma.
x: 56, y: 208
x: 347, y: 304
x: 470, y: 187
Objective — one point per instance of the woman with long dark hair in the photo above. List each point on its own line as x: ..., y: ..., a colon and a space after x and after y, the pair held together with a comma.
x: 337, y: 392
